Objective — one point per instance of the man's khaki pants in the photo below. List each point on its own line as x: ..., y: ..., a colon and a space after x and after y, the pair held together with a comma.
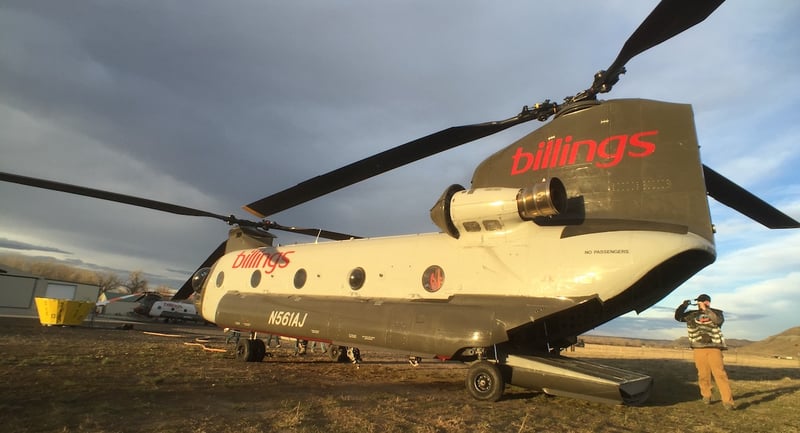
x: 709, y: 361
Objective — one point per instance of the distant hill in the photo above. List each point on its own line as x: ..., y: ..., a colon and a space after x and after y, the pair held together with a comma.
x: 733, y: 343
x: 783, y: 345
x: 624, y: 341
x: 682, y: 342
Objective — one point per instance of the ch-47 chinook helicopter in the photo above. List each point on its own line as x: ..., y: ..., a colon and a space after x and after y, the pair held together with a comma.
x: 600, y: 212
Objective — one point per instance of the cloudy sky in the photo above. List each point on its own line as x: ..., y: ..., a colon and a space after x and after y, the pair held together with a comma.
x: 214, y: 104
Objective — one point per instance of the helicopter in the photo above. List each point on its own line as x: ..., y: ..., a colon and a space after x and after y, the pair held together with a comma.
x: 599, y: 212
x: 152, y: 305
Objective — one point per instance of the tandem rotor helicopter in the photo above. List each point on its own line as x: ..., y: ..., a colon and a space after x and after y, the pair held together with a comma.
x: 600, y: 212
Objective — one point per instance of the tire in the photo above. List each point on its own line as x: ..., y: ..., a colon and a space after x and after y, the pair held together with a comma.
x: 246, y: 351
x: 485, y: 381
x: 260, y: 350
x: 337, y: 353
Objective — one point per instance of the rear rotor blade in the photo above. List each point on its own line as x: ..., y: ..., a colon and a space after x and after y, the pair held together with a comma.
x: 669, y: 18
x: 734, y: 196
x: 380, y: 163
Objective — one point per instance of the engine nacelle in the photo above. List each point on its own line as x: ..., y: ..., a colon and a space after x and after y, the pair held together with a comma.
x: 494, y: 209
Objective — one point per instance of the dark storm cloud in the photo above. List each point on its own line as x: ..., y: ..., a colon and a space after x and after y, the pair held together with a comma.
x: 236, y: 90
x: 215, y: 104
x: 17, y: 245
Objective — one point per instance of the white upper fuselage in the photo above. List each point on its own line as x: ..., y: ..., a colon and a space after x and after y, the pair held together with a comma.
x: 525, y: 260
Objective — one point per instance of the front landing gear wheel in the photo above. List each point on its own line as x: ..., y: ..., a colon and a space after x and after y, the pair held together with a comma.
x: 485, y: 381
x: 250, y: 350
x: 260, y: 349
x: 338, y: 353
x: 244, y: 351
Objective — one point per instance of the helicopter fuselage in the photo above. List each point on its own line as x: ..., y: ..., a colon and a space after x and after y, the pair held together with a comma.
x: 633, y: 226
x: 372, y: 292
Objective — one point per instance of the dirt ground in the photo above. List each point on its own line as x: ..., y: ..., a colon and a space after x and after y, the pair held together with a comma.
x: 177, y: 378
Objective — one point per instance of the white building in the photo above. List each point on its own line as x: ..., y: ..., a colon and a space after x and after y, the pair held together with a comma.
x: 18, y: 290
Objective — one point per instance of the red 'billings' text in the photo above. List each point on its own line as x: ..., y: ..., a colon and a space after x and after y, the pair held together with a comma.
x: 260, y: 259
x: 559, y: 152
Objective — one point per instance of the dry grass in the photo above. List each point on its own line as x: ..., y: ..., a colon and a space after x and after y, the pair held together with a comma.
x: 105, y: 380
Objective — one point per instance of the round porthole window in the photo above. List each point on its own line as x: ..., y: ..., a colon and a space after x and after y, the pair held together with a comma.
x: 220, y: 278
x: 433, y: 278
x: 300, y: 278
x: 255, y: 279
x: 357, y: 278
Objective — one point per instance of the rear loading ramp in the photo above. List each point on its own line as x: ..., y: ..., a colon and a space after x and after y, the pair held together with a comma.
x: 569, y: 377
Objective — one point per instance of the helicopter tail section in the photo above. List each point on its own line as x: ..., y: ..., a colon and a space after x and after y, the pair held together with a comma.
x: 628, y: 164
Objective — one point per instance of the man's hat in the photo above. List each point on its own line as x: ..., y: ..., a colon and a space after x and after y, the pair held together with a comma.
x: 703, y: 298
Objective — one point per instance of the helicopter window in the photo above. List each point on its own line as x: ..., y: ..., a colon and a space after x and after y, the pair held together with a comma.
x: 357, y: 278
x: 492, y: 225
x: 199, y: 279
x: 300, y: 278
x: 220, y: 278
x: 472, y: 226
x: 255, y: 279
x: 433, y: 278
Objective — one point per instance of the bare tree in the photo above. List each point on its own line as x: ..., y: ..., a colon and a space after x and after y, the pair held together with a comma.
x: 136, y: 282
x: 108, y: 281
x: 49, y: 269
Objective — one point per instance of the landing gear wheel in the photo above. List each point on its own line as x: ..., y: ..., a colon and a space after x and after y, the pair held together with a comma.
x: 250, y: 350
x: 338, y: 353
x: 485, y: 381
x: 260, y: 350
x: 243, y: 351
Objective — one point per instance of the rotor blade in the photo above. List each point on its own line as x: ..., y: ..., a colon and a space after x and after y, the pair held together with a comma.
x: 110, y: 196
x: 157, y: 205
x: 734, y: 196
x: 669, y: 18
x: 186, y: 289
x: 327, y: 234
x: 379, y: 163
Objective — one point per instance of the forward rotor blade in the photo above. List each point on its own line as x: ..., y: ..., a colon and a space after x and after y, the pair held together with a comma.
x: 379, y: 163
x: 110, y: 196
x: 186, y: 289
x: 734, y: 196
x: 669, y: 18
x: 160, y: 206
x: 327, y: 234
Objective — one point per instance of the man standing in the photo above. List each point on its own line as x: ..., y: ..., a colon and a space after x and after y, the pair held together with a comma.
x: 707, y: 342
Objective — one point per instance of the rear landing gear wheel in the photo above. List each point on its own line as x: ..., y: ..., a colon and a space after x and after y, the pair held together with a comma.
x: 485, y: 381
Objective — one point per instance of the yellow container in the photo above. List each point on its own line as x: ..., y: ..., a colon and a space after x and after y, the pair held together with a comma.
x: 62, y: 311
